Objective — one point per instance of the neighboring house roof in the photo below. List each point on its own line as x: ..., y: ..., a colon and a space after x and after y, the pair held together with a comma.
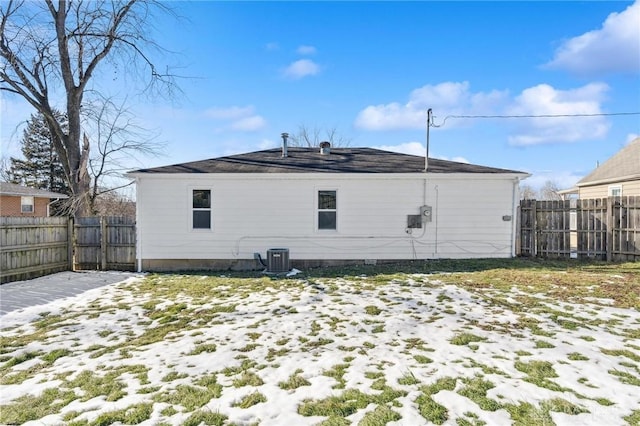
x: 25, y: 191
x: 624, y: 165
x: 309, y: 160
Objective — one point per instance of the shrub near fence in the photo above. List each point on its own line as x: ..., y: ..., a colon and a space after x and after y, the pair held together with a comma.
x: 33, y: 247
x: 599, y: 228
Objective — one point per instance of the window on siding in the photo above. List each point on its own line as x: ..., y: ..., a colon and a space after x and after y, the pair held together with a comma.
x: 615, y: 191
x: 26, y: 204
x: 201, y: 209
x: 327, y: 210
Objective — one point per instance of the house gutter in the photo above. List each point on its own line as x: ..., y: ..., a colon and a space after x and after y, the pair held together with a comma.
x: 514, y: 213
x: 138, y: 231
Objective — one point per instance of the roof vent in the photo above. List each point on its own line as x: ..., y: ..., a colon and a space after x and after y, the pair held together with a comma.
x: 285, y: 136
x: 325, y: 148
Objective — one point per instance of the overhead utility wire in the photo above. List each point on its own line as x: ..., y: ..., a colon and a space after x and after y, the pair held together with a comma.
x: 603, y: 114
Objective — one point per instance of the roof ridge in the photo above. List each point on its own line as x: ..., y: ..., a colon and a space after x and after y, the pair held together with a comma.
x: 625, y: 162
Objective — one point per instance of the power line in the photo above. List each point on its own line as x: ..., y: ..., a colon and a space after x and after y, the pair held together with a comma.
x: 602, y: 114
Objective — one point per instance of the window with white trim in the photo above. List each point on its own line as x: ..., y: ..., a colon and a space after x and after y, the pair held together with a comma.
x: 26, y: 204
x: 201, y: 208
x: 327, y: 210
x: 615, y: 191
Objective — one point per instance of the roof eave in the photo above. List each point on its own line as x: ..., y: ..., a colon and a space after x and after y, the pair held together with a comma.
x: 609, y: 180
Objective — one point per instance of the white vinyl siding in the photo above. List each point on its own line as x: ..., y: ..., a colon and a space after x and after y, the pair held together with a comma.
x: 627, y: 188
x: 255, y: 212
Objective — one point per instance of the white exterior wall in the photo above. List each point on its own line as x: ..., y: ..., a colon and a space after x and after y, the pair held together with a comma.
x: 254, y: 212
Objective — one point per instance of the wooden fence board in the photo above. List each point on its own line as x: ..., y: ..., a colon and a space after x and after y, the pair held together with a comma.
x: 604, y: 228
x: 32, y: 247
x: 105, y: 243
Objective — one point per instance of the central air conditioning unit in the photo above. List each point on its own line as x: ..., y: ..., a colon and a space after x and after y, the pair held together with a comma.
x: 278, y: 260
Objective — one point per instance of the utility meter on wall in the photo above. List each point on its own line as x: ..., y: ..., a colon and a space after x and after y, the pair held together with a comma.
x: 425, y: 212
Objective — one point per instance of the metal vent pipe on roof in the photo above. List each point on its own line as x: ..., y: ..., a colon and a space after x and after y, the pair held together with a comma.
x: 285, y: 136
x: 325, y: 148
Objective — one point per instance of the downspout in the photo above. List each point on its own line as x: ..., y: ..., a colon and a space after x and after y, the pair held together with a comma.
x: 436, y: 219
x: 49, y: 205
x: 514, y: 213
x: 138, y: 231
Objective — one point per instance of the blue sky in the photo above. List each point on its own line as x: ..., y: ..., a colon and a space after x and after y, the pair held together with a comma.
x: 370, y: 70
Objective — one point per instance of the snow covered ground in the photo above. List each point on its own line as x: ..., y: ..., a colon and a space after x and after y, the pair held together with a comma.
x: 403, y: 350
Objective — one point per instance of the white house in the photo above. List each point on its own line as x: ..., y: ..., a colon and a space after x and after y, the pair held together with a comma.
x: 320, y: 207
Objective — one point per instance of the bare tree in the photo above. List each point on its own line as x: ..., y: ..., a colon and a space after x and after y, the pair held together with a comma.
x: 527, y: 192
x: 114, y: 203
x: 5, y: 169
x: 118, y: 139
x: 549, y: 191
x: 311, y: 137
x: 48, y: 45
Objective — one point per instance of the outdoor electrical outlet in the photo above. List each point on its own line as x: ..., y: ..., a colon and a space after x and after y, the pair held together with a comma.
x: 425, y: 212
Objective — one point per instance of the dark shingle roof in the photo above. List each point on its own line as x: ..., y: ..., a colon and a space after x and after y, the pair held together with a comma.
x: 25, y: 191
x: 309, y: 160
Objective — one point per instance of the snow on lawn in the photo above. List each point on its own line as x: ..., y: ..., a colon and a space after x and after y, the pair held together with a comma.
x: 403, y: 350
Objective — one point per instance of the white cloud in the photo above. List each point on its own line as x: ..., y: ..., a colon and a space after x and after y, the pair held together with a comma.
x: 229, y: 113
x: 455, y: 98
x: 613, y: 48
x: 448, y: 98
x: 237, y: 118
x: 267, y: 144
x: 301, y: 68
x: 631, y: 137
x: 411, y: 148
x: 456, y: 159
x: 272, y: 46
x: 563, y: 179
x: 546, y: 100
x: 306, y: 50
x: 248, y: 124
x: 417, y: 148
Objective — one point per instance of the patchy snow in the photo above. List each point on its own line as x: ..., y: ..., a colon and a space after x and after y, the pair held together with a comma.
x: 293, y: 272
x: 313, y: 328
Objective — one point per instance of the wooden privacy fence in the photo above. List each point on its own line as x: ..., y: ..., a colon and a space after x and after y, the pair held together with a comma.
x: 32, y: 247
x: 599, y: 228
x: 105, y: 243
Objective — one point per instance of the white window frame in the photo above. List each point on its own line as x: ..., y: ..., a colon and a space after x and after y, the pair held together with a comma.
x: 318, y: 210
x: 27, y: 204
x: 195, y: 209
x: 613, y: 188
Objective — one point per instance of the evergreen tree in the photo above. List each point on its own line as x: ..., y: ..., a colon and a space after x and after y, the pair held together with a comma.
x: 41, y: 167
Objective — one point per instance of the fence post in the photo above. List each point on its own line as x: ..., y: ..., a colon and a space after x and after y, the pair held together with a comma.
x: 70, y: 242
x: 534, y: 228
x: 518, y: 227
x: 103, y: 243
x: 573, y: 228
x: 609, y: 242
